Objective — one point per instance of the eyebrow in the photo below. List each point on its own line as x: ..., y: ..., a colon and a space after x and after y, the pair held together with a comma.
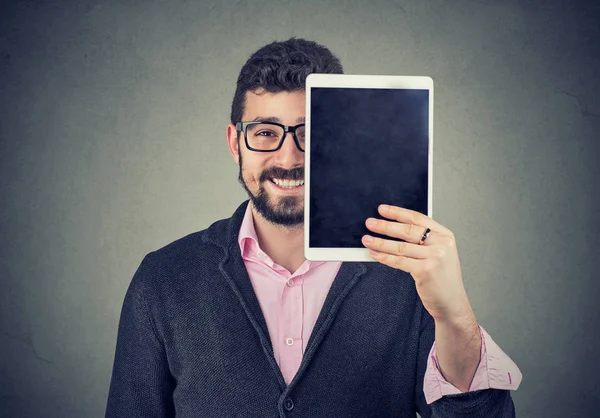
x: 275, y: 119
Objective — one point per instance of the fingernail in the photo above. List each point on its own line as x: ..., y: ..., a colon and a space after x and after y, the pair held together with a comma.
x: 384, y: 208
x: 368, y: 239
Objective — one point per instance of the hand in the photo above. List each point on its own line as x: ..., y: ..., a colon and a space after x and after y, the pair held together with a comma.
x: 434, y: 265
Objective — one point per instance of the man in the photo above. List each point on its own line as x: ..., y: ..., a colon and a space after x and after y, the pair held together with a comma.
x: 233, y: 321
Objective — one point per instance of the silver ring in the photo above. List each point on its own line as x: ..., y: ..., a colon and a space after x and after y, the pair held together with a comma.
x: 424, y: 237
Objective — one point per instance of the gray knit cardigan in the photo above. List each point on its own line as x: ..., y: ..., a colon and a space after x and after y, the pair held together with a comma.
x: 192, y: 342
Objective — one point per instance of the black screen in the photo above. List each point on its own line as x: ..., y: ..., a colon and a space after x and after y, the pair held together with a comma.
x: 368, y: 146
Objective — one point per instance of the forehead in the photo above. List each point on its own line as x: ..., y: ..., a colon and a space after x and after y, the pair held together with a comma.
x: 286, y: 106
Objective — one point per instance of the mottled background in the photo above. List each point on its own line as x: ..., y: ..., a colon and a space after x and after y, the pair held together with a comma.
x: 112, y: 144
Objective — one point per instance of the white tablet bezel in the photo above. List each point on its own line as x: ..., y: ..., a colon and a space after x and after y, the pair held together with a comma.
x: 357, y: 81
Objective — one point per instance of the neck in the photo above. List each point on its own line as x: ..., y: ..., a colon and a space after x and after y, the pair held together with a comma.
x: 285, y: 245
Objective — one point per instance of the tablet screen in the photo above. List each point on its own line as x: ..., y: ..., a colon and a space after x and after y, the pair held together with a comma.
x: 368, y: 146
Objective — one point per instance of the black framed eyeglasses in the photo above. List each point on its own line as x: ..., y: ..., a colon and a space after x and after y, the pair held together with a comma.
x: 269, y: 136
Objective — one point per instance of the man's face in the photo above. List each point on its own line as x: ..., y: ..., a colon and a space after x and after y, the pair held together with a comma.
x: 278, y: 205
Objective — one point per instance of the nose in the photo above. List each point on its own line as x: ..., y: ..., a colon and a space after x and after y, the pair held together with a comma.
x: 289, y: 154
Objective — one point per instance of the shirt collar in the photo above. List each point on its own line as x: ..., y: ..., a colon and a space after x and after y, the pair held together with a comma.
x: 248, y: 240
x: 247, y: 233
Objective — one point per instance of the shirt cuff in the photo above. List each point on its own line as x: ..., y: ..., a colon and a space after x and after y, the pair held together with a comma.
x: 495, y: 371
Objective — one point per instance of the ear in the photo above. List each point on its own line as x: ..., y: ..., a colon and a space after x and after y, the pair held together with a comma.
x: 232, y: 142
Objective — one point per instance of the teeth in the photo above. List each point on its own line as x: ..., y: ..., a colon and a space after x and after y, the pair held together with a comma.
x: 288, y: 183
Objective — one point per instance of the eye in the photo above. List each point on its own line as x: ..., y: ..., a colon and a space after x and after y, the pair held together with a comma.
x: 266, y: 133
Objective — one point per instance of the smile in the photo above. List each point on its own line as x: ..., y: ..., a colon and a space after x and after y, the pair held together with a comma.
x: 288, y: 184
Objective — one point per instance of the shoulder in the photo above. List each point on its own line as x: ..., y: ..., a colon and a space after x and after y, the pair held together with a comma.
x: 180, y: 260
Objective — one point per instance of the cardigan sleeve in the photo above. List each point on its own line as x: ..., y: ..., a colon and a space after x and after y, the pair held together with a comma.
x: 141, y: 384
x: 487, y: 403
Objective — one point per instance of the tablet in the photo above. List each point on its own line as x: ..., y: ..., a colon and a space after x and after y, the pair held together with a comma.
x: 368, y: 142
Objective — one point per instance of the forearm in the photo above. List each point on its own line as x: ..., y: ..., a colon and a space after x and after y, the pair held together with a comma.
x: 458, y: 350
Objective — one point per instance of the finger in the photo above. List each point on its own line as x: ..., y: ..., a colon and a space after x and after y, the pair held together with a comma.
x: 412, y: 217
x: 408, y: 232
x: 406, y: 264
x: 399, y: 248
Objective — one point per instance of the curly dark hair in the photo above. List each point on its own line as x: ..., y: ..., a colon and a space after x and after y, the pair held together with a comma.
x: 282, y: 66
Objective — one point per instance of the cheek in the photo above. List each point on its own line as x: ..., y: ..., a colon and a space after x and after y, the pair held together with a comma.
x: 251, y: 173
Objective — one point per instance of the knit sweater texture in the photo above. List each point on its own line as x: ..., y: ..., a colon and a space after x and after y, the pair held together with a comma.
x: 192, y: 342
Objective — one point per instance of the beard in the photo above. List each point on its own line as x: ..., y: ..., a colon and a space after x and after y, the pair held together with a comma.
x: 287, y: 211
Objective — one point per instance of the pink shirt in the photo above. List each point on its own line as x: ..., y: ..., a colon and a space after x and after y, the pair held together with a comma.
x: 291, y: 303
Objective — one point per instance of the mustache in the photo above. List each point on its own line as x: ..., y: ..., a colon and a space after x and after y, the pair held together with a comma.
x: 280, y: 173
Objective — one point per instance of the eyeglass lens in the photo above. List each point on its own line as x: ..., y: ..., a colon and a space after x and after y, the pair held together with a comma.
x: 264, y: 136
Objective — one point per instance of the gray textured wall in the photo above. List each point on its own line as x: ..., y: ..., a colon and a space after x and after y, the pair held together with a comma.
x: 112, y: 144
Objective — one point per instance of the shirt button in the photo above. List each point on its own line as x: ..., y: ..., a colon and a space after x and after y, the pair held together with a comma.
x: 289, y: 341
x: 288, y: 404
x: 290, y: 282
